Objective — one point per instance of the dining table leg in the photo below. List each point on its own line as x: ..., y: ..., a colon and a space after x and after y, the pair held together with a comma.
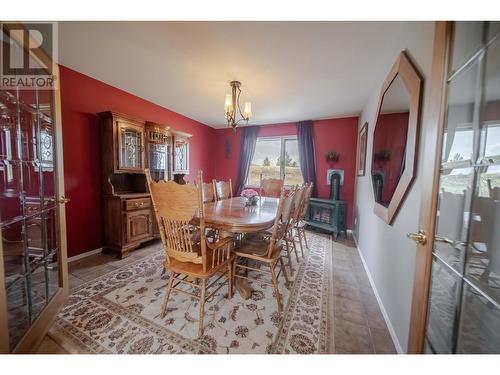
x: 242, y: 286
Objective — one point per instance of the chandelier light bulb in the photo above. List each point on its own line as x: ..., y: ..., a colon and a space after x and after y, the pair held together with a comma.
x: 247, y: 113
x: 228, y: 104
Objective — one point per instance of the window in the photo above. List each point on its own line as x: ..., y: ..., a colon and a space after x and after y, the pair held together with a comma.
x: 276, y: 157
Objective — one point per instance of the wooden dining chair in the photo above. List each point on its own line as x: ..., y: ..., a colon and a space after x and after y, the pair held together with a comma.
x: 300, y: 223
x: 189, y: 258
x: 207, y: 191
x: 287, y: 220
x: 292, y: 237
x: 270, y: 187
x: 222, y: 189
x: 266, y: 250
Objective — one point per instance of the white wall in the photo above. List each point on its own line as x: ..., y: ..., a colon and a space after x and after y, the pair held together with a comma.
x: 388, y: 254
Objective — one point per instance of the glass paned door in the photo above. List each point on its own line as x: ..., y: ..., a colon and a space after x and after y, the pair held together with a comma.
x: 30, y: 249
x: 158, y: 157
x: 181, y: 155
x: 293, y: 175
x: 158, y: 160
x: 275, y: 158
x: 464, y: 306
x: 266, y: 161
x: 131, y: 144
x: 158, y: 149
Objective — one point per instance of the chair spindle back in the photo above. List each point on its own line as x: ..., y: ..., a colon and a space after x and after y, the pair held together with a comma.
x: 283, y: 215
x: 207, y: 190
x: 305, y: 201
x: 270, y: 187
x: 298, y: 204
x: 175, y: 208
x: 222, y: 189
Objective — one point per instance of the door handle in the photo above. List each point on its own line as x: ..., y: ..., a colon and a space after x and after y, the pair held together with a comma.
x: 420, y: 237
x: 63, y: 200
x: 444, y: 240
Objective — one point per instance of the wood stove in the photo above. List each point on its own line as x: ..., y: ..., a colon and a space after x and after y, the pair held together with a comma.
x: 329, y: 214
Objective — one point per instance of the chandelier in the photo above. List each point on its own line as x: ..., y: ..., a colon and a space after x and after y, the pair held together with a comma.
x: 232, y: 106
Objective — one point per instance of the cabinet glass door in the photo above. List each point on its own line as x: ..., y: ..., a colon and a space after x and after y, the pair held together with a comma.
x: 158, y: 151
x: 181, y: 157
x: 158, y: 157
x: 131, y: 147
x: 159, y: 161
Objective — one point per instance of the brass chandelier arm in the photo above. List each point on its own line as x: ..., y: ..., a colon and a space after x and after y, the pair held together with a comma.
x: 239, y: 108
x: 235, y: 101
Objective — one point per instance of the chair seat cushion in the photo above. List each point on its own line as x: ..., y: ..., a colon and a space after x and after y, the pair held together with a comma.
x: 196, y: 270
x: 257, y: 248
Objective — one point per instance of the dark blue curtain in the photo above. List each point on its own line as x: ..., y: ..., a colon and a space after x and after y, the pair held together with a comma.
x: 305, y: 139
x: 248, y: 140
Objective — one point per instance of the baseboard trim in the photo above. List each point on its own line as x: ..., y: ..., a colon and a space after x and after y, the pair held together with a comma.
x: 84, y: 255
x: 394, y: 338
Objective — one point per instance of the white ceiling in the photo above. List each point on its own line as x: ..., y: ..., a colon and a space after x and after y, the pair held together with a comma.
x: 290, y: 71
x: 396, y: 98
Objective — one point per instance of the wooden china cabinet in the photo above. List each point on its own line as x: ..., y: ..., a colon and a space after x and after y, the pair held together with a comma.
x: 128, y: 146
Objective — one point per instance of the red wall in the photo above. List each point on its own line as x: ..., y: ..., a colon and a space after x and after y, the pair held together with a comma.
x: 340, y: 135
x: 81, y: 98
x: 390, y: 134
x: 333, y: 134
x: 226, y: 154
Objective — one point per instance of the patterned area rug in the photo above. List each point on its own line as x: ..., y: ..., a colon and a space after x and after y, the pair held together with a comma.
x: 120, y: 313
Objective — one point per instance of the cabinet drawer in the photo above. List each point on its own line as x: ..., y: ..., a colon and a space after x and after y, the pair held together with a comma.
x: 138, y: 203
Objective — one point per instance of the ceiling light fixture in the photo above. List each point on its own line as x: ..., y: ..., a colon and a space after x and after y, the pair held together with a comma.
x: 232, y: 106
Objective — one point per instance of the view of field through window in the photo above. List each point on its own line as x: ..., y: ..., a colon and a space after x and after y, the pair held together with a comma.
x: 268, y: 161
x: 457, y: 160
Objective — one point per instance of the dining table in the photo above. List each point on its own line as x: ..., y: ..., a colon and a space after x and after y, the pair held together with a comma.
x: 233, y: 216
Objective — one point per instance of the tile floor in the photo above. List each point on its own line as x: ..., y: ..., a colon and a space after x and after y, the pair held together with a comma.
x: 359, y: 326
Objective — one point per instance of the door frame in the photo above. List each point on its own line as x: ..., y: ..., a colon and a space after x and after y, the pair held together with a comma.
x: 38, y: 329
x: 432, y: 147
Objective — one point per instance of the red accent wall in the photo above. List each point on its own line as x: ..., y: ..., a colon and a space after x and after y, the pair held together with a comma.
x: 390, y: 134
x: 340, y: 135
x: 81, y: 98
x: 226, y: 154
x: 332, y: 134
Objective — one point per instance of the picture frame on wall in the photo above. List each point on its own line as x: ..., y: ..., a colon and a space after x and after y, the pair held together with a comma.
x: 362, y: 141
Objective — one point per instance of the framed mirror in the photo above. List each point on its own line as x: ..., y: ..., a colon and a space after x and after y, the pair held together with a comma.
x: 395, y: 137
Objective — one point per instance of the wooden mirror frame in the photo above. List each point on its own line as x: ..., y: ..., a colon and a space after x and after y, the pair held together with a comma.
x: 413, y: 82
x: 361, y: 156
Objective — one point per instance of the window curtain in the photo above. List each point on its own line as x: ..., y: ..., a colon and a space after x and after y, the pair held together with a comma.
x: 305, y: 140
x: 248, y: 140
